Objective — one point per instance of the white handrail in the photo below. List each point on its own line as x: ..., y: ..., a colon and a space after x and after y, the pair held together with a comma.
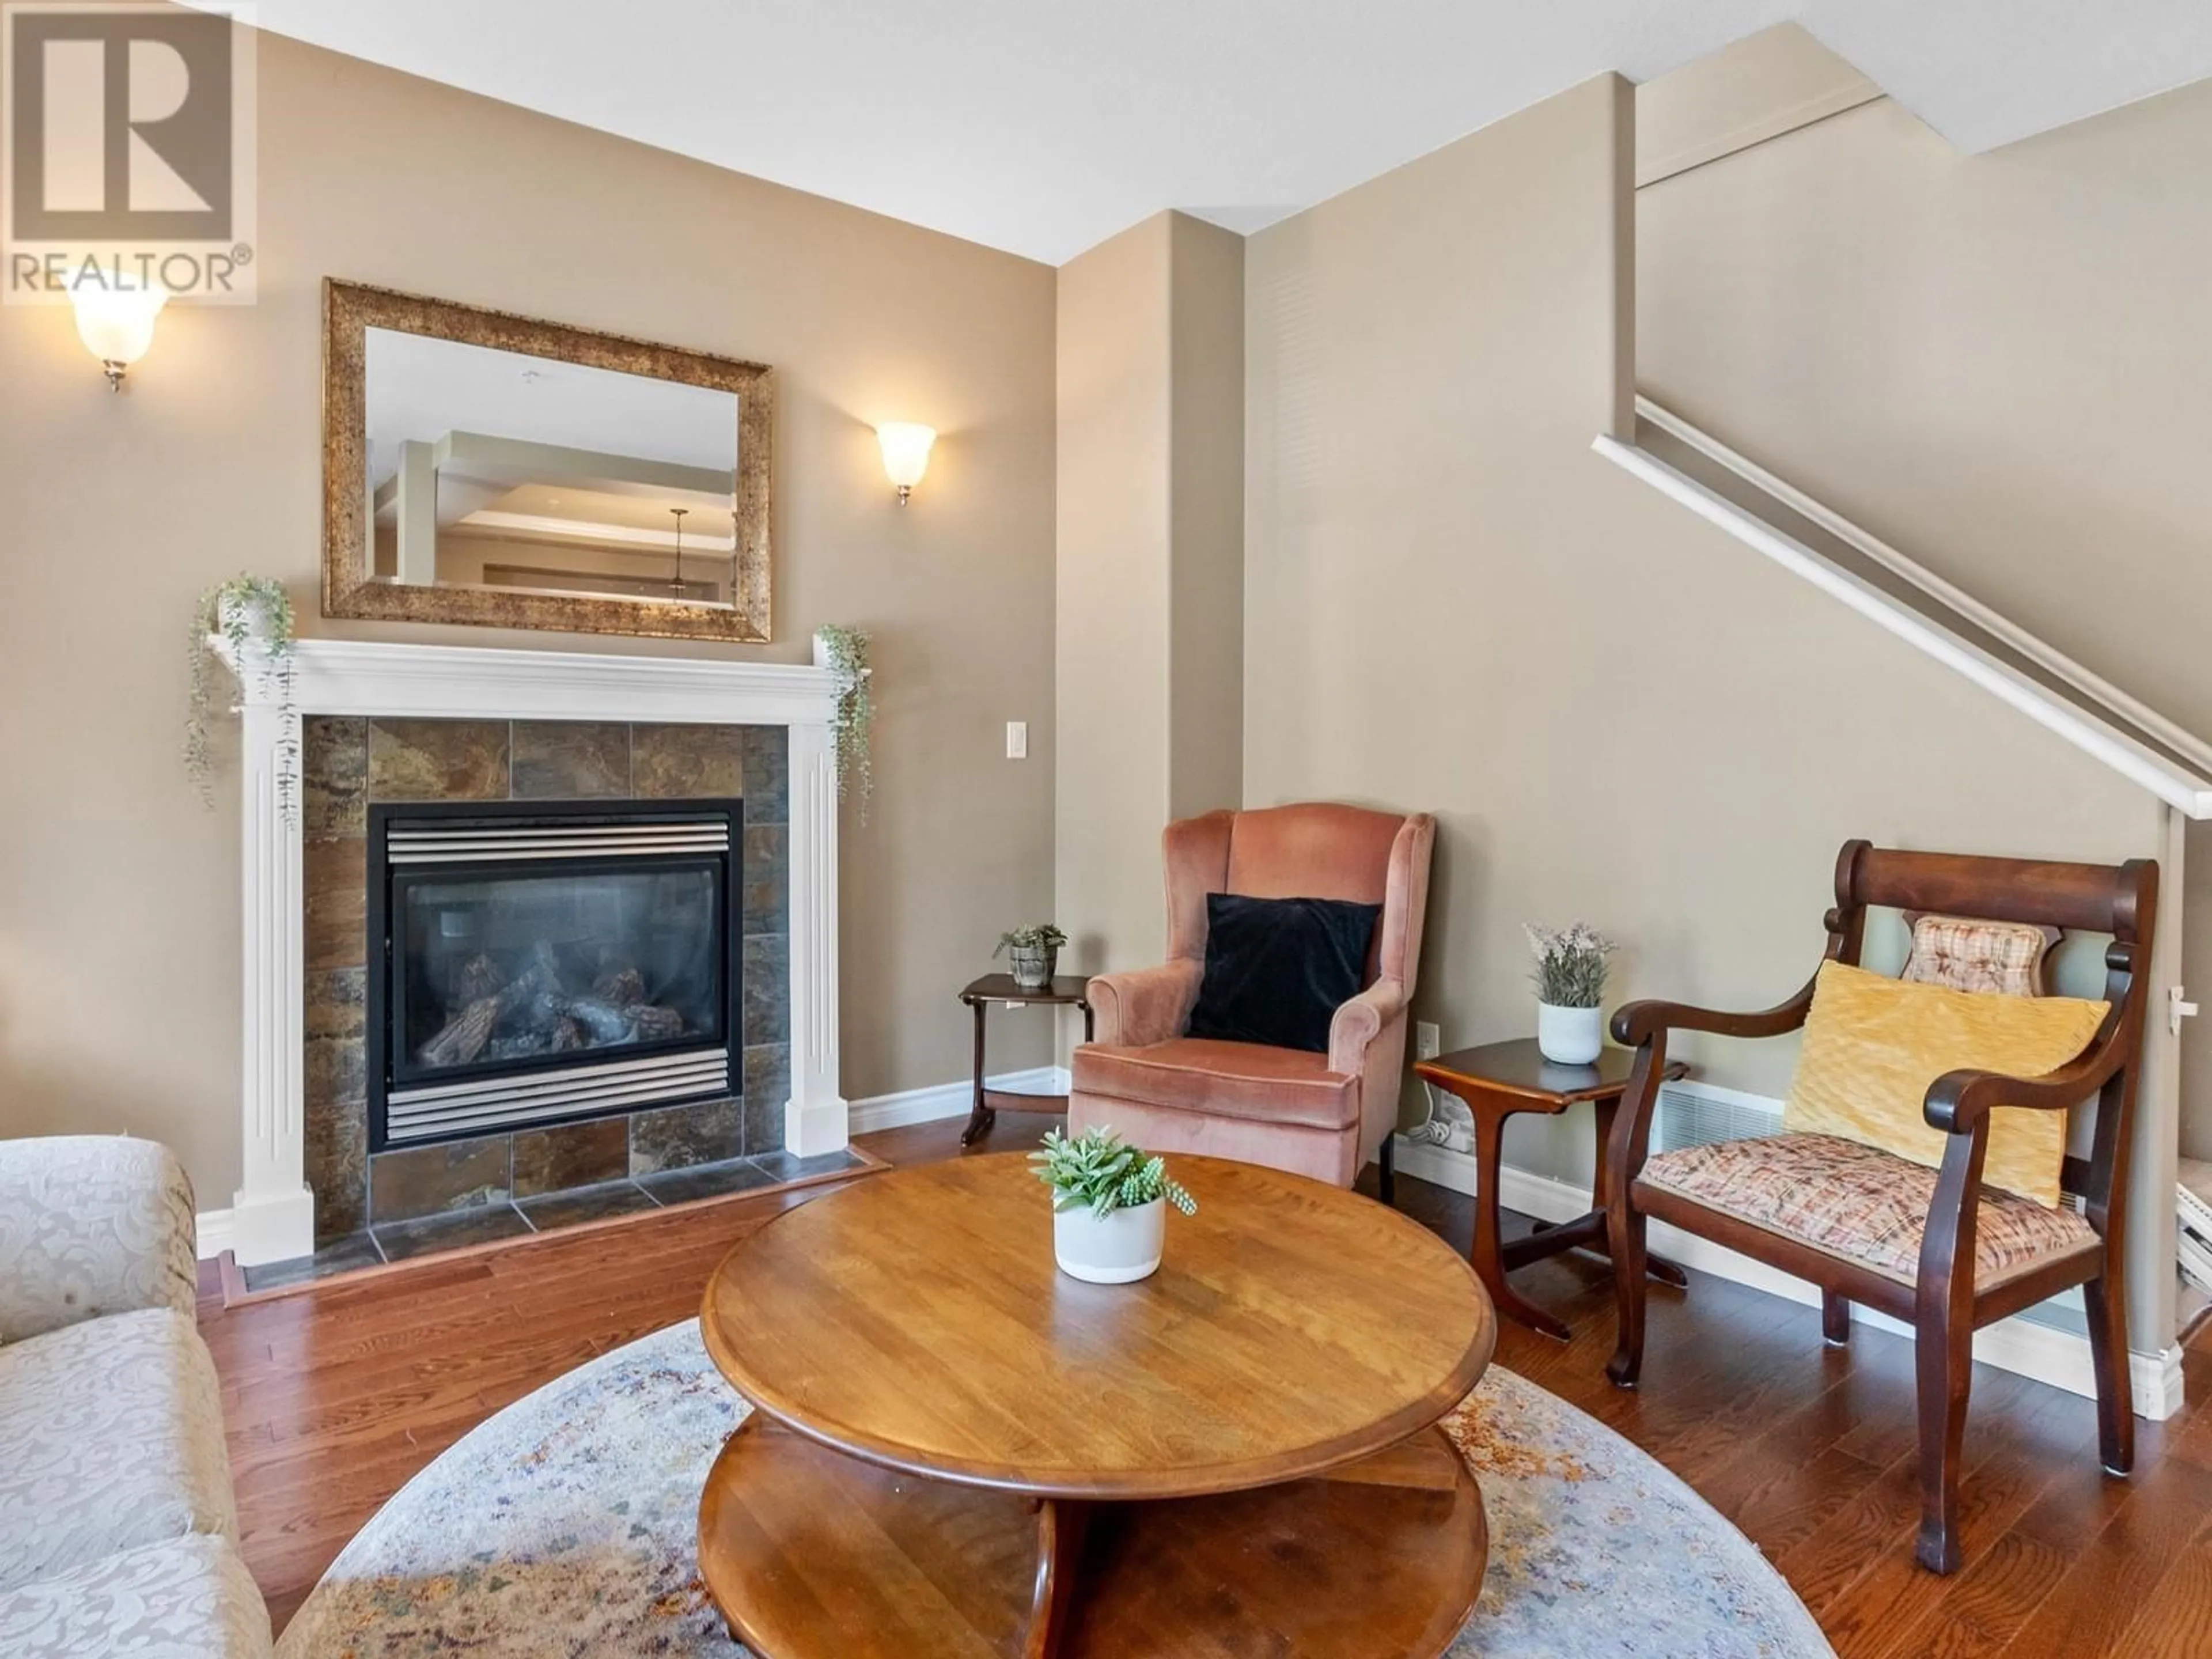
x: 2095, y: 687
x: 2189, y: 793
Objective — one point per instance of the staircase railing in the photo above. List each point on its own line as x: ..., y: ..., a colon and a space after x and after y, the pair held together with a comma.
x: 1950, y: 624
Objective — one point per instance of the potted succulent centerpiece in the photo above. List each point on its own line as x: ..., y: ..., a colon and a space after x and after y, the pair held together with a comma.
x: 1108, y: 1205
x: 1569, y: 975
x: 1033, y: 952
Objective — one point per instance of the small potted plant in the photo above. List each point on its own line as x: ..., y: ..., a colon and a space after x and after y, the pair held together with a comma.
x: 253, y: 616
x: 1569, y: 975
x: 844, y: 652
x: 1108, y: 1205
x: 1033, y: 952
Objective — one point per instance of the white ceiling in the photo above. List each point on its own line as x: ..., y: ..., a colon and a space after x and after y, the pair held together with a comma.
x: 1044, y: 126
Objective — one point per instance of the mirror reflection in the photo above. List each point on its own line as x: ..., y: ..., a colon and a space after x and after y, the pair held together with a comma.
x: 494, y: 470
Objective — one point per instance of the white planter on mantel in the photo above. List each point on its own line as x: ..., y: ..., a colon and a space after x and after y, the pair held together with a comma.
x: 273, y: 1216
x: 249, y: 615
x: 1570, y: 1037
x: 1118, y: 1248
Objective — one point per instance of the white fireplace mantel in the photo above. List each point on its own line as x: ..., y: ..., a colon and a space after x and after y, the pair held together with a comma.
x: 273, y: 1217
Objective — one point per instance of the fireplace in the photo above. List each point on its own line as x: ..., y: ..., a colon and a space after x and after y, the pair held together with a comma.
x: 536, y: 962
x: 340, y: 727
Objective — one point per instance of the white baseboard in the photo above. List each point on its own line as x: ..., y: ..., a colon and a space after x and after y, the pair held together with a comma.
x: 944, y: 1100
x: 214, y: 1229
x: 2021, y: 1346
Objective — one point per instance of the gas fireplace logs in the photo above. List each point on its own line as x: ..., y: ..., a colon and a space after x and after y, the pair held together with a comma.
x: 493, y: 1017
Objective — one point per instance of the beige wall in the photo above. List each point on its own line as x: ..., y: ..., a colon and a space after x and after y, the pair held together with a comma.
x: 1111, y: 634
x: 1993, y: 361
x: 1616, y: 712
x: 1205, y: 516
x: 119, y: 894
x: 1997, y: 362
x: 1150, y: 555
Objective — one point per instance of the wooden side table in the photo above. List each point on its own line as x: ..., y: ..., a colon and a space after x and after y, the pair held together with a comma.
x: 1067, y: 990
x: 1497, y: 1081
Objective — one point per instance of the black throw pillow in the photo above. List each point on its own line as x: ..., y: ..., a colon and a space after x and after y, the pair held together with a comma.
x: 1276, y: 969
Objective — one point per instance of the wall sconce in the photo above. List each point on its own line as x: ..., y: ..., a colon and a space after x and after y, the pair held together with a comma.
x: 906, y: 454
x: 116, y: 325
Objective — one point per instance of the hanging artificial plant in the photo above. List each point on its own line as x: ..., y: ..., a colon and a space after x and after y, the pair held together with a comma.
x: 253, y: 616
x: 846, y: 652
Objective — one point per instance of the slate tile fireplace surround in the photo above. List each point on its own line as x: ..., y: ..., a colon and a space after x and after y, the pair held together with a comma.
x: 351, y: 765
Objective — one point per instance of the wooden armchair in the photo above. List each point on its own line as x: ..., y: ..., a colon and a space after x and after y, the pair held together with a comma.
x: 1971, y: 1263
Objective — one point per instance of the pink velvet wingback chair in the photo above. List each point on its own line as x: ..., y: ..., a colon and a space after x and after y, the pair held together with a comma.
x: 1320, y: 1115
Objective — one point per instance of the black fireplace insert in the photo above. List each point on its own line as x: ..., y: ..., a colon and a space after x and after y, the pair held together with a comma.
x: 533, y: 963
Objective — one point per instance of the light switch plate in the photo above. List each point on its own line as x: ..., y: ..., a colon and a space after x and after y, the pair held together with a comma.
x: 1018, y: 739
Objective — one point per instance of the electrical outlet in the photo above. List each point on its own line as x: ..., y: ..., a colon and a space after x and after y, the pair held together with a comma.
x: 1428, y: 1043
x: 1018, y: 739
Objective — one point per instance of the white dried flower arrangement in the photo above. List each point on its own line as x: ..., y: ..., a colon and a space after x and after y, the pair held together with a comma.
x: 1570, y: 965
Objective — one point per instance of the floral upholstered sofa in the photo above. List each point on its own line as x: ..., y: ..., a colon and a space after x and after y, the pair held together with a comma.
x: 117, y: 1531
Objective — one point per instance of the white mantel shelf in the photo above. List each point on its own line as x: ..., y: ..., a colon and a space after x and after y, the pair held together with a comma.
x: 274, y: 1210
x: 352, y: 677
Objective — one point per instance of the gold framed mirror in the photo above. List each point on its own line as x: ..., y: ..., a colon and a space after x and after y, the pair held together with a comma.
x: 488, y: 469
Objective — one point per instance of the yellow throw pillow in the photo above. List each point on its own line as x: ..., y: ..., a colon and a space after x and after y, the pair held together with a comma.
x: 1873, y: 1045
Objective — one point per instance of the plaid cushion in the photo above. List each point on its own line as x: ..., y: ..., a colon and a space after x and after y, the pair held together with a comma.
x: 2004, y: 956
x: 1859, y: 1204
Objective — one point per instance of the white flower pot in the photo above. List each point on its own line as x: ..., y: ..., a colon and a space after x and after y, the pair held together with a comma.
x: 246, y: 614
x: 1117, y: 1249
x: 1570, y: 1037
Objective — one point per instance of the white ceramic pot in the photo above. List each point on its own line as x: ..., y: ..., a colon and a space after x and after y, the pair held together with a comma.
x: 1570, y: 1037
x: 249, y: 615
x: 1117, y: 1249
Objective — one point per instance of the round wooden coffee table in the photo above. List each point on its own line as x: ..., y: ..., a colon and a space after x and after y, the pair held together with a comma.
x: 961, y: 1451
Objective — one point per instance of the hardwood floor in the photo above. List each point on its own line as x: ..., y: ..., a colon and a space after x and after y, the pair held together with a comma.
x: 335, y: 1396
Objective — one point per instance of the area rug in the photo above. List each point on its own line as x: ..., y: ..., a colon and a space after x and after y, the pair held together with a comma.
x: 568, y: 1524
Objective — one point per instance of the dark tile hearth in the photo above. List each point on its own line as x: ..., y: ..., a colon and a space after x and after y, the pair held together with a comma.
x: 400, y: 1240
x: 340, y: 1256
x: 706, y: 1181
x: 611, y: 1198
x: 789, y: 1166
